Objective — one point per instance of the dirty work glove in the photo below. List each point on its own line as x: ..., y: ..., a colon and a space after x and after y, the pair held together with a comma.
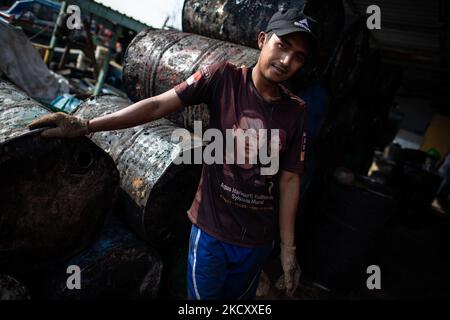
x: 64, y: 125
x: 263, y: 285
x: 291, y: 269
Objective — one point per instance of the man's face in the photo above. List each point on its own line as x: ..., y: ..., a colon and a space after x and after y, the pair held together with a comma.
x: 282, y: 57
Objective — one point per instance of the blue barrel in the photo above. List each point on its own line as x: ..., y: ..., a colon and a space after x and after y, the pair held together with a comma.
x: 117, y: 266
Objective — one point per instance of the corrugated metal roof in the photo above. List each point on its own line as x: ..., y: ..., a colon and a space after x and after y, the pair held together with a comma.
x: 110, y: 14
x: 156, y: 13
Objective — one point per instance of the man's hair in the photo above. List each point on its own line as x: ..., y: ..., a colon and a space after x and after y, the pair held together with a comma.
x: 269, y: 35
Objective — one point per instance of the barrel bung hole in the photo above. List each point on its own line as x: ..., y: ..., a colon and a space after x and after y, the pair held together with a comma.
x: 84, y: 159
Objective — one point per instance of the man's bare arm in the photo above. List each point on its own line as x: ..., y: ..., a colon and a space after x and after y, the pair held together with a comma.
x: 138, y: 113
x: 289, y: 198
x: 62, y: 125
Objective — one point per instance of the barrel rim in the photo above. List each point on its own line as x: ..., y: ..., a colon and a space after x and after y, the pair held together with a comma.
x: 33, y: 132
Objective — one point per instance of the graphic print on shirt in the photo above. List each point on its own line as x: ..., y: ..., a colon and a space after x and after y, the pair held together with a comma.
x: 242, y: 184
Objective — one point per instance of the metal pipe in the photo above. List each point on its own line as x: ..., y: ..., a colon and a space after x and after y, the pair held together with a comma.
x: 104, y: 70
x: 49, y: 52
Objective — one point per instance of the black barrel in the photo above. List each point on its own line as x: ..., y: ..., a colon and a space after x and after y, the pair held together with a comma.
x: 54, y: 193
x: 350, y: 220
x: 11, y: 289
x: 414, y: 186
x: 349, y: 60
x: 156, y: 193
x: 175, y: 267
x: 416, y: 189
x: 157, y: 60
x: 241, y: 21
x: 117, y: 266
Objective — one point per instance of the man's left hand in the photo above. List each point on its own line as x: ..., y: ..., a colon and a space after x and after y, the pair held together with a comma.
x: 291, y: 269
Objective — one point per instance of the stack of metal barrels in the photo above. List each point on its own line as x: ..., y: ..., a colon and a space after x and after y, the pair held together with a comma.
x: 57, y: 197
x: 105, y: 204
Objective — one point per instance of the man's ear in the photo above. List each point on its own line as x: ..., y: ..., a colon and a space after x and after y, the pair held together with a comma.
x: 261, y: 39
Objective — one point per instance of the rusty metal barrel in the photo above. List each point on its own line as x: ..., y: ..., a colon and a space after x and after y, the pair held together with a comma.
x: 157, y: 60
x: 54, y: 193
x: 350, y: 60
x: 155, y: 192
x: 241, y: 21
x: 11, y: 289
x: 117, y: 266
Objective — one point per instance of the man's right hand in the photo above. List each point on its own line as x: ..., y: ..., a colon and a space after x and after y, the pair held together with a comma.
x: 63, y: 125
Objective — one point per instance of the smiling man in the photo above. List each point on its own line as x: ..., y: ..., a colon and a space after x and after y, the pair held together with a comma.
x: 234, y: 221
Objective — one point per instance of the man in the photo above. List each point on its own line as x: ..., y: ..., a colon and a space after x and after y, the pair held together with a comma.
x: 234, y: 227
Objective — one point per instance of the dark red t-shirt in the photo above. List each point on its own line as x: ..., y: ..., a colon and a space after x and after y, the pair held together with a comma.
x: 235, y: 203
